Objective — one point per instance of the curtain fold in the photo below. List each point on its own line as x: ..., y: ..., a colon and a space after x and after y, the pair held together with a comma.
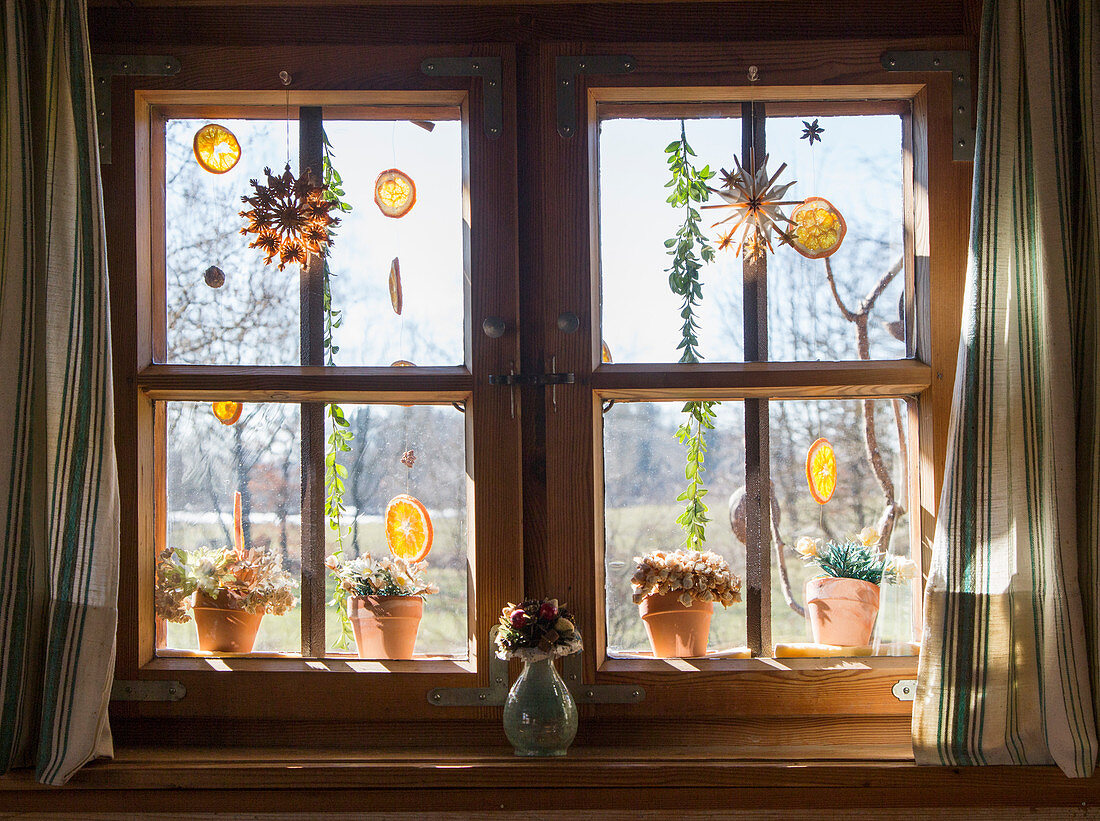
x: 58, y: 483
x: 1008, y: 670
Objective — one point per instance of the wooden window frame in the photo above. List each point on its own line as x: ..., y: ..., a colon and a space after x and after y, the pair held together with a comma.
x: 743, y: 689
x: 292, y: 689
x: 528, y: 173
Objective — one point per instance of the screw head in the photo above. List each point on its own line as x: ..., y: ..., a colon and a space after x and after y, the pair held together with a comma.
x: 893, y: 63
x: 436, y: 697
x: 962, y: 143
x: 481, y: 696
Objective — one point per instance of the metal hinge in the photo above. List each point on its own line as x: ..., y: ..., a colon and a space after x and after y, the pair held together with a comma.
x: 104, y: 69
x: 572, y: 670
x: 565, y: 80
x: 147, y: 690
x: 958, y: 63
x: 535, y: 379
x: 905, y: 690
x: 491, y: 696
x: 492, y: 95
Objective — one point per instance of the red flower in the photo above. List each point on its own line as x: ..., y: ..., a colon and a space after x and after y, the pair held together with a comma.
x: 519, y: 618
x: 549, y: 609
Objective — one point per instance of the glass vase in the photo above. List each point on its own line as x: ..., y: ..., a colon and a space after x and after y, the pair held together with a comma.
x: 540, y: 716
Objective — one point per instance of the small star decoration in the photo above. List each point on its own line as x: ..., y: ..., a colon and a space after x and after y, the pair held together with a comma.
x: 407, y: 458
x: 812, y: 131
x: 289, y: 217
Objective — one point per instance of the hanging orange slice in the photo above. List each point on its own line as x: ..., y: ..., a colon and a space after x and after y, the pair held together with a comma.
x: 396, y: 297
x: 394, y: 193
x: 216, y: 148
x: 227, y: 412
x: 817, y: 228
x: 402, y: 363
x: 605, y: 353
x: 408, y: 528
x: 821, y: 470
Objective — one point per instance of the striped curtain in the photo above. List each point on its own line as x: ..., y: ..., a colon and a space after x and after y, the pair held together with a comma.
x: 1010, y: 659
x: 59, y: 553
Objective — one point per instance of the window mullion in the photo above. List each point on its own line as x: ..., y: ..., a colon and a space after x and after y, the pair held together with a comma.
x: 757, y: 470
x: 310, y: 159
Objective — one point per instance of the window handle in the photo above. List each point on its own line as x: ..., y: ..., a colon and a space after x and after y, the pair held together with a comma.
x: 494, y: 327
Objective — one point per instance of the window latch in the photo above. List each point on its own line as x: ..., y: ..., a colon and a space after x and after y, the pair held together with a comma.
x: 533, y: 379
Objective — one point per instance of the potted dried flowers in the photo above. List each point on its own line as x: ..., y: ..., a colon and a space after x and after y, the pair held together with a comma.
x: 228, y: 590
x: 385, y: 603
x: 540, y: 716
x: 675, y: 592
x: 842, y: 603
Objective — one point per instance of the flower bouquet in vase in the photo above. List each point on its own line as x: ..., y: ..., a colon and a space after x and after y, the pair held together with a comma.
x: 540, y: 716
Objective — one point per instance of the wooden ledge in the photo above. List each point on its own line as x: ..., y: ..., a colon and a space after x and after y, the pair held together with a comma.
x: 288, y: 780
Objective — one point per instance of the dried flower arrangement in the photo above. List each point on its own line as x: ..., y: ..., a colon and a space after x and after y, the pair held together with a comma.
x: 386, y: 576
x: 857, y: 558
x: 537, y: 629
x: 699, y: 576
x: 252, y: 580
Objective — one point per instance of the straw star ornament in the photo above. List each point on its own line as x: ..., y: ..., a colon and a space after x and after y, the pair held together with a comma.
x: 290, y: 218
x: 756, y: 201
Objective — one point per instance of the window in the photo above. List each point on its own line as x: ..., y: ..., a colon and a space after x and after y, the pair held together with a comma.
x: 779, y: 307
x: 543, y: 490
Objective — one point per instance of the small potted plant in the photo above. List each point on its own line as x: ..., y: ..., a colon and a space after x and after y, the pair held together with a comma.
x: 385, y: 602
x: 842, y: 603
x: 675, y: 592
x: 540, y: 716
x: 228, y: 590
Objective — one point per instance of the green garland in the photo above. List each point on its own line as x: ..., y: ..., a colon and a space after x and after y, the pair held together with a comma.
x: 689, y: 185
x: 340, y: 435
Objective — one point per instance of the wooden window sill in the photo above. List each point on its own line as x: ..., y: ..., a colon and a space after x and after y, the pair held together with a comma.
x: 204, y: 779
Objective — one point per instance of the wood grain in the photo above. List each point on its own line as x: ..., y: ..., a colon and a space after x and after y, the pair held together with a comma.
x: 781, y: 380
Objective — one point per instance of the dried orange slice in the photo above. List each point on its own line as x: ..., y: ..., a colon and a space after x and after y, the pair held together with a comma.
x: 216, y: 148
x: 394, y: 193
x: 402, y: 363
x: 396, y: 298
x: 817, y: 228
x: 821, y: 470
x: 227, y: 412
x: 605, y: 353
x: 408, y: 528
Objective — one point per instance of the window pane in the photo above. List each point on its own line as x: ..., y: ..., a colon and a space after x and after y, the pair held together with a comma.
x: 208, y: 462
x: 635, y: 221
x: 252, y: 318
x: 857, y: 166
x: 375, y: 474
x: 859, y: 501
x: 643, y: 475
x: 428, y: 241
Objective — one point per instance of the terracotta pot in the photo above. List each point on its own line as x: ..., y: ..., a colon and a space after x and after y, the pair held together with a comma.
x: 676, y: 631
x: 224, y: 629
x: 385, y: 626
x: 841, y: 611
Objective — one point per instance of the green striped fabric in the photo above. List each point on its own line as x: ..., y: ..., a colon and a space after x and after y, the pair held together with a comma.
x: 58, y: 484
x: 1009, y: 663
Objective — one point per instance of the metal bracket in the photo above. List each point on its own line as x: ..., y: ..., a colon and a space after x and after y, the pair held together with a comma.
x: 905, y: 690
x: 566, y: 83
x: 488, y: 69
x: 104, y: 69
x: 491, y: 696
x: 572, y: 669
x: 147, y: 690
x: 536, y: 379
x: 958, y: 63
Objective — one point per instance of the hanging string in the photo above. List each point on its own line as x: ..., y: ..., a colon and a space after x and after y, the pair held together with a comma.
x: 285, y: 79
